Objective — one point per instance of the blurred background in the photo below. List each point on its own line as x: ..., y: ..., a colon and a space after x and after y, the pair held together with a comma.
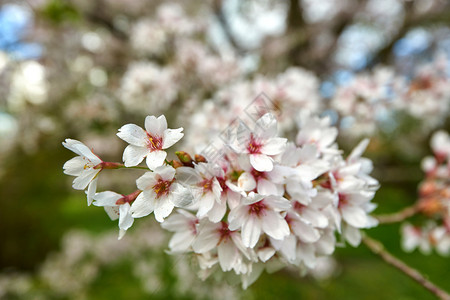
x: 81, y: 69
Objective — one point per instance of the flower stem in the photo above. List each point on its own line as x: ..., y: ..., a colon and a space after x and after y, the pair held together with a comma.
x: 377, y: 248
x: 398, y: 216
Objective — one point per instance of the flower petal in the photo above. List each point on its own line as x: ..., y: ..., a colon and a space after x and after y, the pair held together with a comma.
x: 261, y: 162
x: 171, y: 136
x: 92, y: 188
x: 156, y: 159
x: 275, y: 226
x: 133, y: 155
x: 274, y: 146
x: 82, y: 181
x: 143, y: 205
x: 251, y: 231
x: 228, y: 254
x: 156, y: 126
x: 163, y: 208
x: 133, y: 135
x: 125, y: 219
x: 107, y: 198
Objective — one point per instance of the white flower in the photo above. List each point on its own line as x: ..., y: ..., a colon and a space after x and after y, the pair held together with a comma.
x: 184, y: 224
x: 116, y: 206
x: 85, y: 167
x: 257, y: 213
x: 202, y: 179
x: 149, y: 142
x: 230, y: 249
x: 160, y: 194
x: 261, y: 144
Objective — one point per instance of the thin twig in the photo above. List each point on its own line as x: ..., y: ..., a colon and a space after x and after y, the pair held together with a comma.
x: 377, y: 248
x: 398, y: 216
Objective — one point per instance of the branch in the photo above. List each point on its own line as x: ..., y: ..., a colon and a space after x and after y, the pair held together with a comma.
x: 377, y: 248
x: 217, y: 8
x: 398, y: 216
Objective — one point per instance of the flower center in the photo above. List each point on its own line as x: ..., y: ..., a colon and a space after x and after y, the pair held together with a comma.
x: 253, y: 146
x: 257, y: 208
x: 162, y: 187
x: 206, y: 185
x: 224, y: 232
x: 154, y: 142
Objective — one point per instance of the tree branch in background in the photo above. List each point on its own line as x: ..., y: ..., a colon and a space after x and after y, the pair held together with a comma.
x: 398, y: 216
x: 218, y: 11
x: 377, y: 248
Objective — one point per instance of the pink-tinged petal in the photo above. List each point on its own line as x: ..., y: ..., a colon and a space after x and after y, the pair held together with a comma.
x: 146, y: 181
x: 156, y: 126
x: 125, y: 219
x: 358, y: 150
x: 288, y: 247
x: 107, y: 198
x: 266, y: 253
x: 266, y: 126
x: 163, y: 208
x: 246, y: 182
x: 166, y: 172
x: 252, y: 198
x: 274, y: 146
x: 306, y: 254
x: 305, y: 232
x: 133, y: 155
x: 207, y: 239
x: 266, y: 187
x: 187, y: 175
x: 112, y: 212
x: 178, y: 220
x: 171, y: 136
x: 181, y: 196
x: 251, y: 231
x: 228, y: 254
x: 206, y: 202
x: 237, y: 217
x: 275, y: 226
x: 82, y: 181
x: 278, y: 203
x: 261, y: 162
x: 133, y: 134
x: 315, y: 217
x: 143, y: 205
x: 92, y: 189
x: 218, y: 211
x: 243, y: 136
x: 156, y: 159
x: 352, y: 235
x: 233, y: 198
x: 354, y: 216
x: 74, y: 166
x: 180, y: 241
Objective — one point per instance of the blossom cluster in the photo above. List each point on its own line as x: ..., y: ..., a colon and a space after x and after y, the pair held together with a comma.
x: 434, y: 201
x: 370, y: 99
x: 260, y: 202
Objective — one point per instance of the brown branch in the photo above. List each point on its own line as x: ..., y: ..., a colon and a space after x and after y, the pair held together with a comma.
x: 398, y: 216
x: 218, y: 11
x: 377, y: 248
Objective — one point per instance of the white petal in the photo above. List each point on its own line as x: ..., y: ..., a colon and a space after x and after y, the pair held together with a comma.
x: 107, y: 198
x: 266, y: 187
x: 207, y: 238
x: 218, y: 211
x: 133, y: 135
x: 156, y: 126
x: 251, y: 230
x: 261, y: 162
x: 74, y: 166
x: 274, y: 146
x: 143, y: 205
x: 354, y: 216
x: 125, y: 219
x: 305, y: 232
x: 146, y: 181
x: 92, y: 188
x: 246, y: 182
x: 206, y: 202
x: 275, y: 226
x: 181, y: 196
x: 70, y: 144
x: 171, y: 136
x: 266, y: 253
x: 82, y: 181
x: 315, y: 217
x: 227, y: 254
x: 352, y: 235
x: 156, y: 159
x: 187, y: 176
x: 166, y: 172
x: 112, y: 212
x: 133, y: 155
x: 266, y: 126
x: 86, y: 152
x: 163, y: 208
x: 180, y: 241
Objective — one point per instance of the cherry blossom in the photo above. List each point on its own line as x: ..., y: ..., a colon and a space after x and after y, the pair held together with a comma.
x: 149, y: 142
